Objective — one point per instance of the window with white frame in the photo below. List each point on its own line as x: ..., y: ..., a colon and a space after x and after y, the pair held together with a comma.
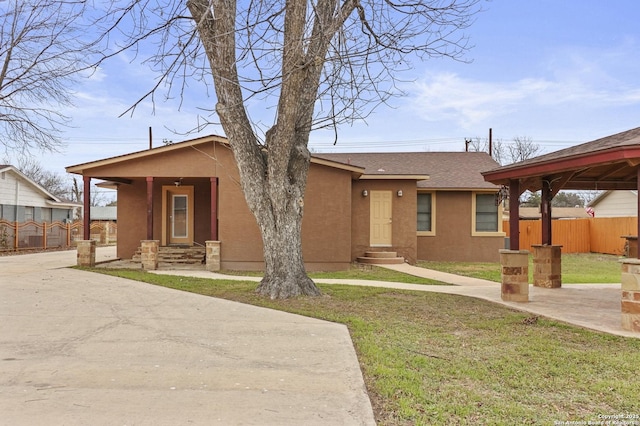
x: 426, y: 213
x: 486, y: 213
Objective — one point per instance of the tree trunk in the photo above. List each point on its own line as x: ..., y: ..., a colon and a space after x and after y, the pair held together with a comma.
x: 273, y: 180
x: 285, y: 274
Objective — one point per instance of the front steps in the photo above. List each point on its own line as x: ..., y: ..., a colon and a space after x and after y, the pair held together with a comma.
x: 381, y: 258
x: 178, y: 257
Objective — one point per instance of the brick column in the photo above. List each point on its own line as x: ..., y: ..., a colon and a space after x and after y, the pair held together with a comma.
x: 515, y: 275
x: 86, y: 252
x: 547, y: 266
x: 213, y: 255
x: 149, y: 254
x: 630, y: 303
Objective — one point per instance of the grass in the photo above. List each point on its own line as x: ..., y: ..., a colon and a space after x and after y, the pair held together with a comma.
x: 576, y: 268
x: 358, y: 272
x: 436, y: 359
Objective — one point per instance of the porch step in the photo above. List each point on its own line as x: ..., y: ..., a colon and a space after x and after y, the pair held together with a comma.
x: 381, y: 258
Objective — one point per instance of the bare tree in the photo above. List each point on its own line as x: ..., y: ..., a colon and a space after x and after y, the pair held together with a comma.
x: 522, y: 148
x: 40, y: 55
x: 312, y: 63
x: 496, y: 150
x: 56, y: 184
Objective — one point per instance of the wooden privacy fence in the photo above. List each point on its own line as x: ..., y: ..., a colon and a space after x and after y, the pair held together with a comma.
x: 16, y: 236
x: 593, y: 235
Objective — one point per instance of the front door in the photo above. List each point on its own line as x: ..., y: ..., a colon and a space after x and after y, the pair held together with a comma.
x: 177, y: 212
x: 380, y: 220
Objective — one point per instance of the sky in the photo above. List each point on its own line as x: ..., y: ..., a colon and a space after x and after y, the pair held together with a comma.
x: 558, y: 72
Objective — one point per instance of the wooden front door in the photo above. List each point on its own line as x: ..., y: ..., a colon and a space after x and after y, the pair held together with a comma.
x: 380, y: 219
x: 177, y: 213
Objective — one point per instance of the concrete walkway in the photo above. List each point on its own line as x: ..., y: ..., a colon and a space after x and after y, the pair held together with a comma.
x: 78, y: 348
x: 593, y: 306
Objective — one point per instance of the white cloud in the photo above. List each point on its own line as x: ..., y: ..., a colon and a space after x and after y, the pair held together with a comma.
x: 468, y: 102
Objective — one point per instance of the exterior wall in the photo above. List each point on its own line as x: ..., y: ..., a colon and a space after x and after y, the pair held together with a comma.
x: 326, y: 226
x: 132, y: 215
x: 453, y: 240
x: 404, y: 223
x: 617, y: 204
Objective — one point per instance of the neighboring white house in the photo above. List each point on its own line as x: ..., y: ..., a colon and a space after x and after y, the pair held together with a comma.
x: 22, y: 199
x: 618, y: 203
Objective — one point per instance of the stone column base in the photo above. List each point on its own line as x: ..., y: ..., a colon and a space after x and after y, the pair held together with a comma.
x: 630, y: 302
x: 547, y: 266
x: 213, y: 256
x: 149, y: 254
x: 86, y: 252
x: 515, y: 275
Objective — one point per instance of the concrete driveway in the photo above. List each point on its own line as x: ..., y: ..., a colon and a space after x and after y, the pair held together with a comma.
x: 79, y: 348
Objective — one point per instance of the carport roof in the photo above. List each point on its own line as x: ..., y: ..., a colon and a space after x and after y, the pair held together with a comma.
x: 604, y: 164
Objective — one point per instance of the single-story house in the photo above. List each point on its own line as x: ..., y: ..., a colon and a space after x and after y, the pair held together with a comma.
x: 615, y: 203
x: 427, y: 205
x: 23, y: 200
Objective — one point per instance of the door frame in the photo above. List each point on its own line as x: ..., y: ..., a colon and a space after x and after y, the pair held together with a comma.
x: 167, y: 192
x: 389, y: 197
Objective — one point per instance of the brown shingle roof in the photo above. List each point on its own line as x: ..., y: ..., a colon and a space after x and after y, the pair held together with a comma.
x: 450, y: 170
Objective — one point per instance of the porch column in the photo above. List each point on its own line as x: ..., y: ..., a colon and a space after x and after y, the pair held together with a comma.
x: 149, y: 254
x: 515, y: 275
x: 514, y: 214
x: 545, y: 210
x: 547, y: 266
x: 86, y: 253
x: 630, y: 301
x: 86, y: 235
x: 149, y: 207
x: 212, y: 256
x: 214, y: 208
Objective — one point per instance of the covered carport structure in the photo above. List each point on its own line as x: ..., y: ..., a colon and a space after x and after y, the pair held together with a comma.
x: 609, y: 163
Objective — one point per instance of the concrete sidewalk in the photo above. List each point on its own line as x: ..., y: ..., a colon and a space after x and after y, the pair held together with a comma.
x: 593, y: 306
x: 78, y: 348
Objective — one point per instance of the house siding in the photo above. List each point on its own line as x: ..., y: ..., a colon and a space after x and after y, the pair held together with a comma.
x: 16, y: 193
x: 453, y: 240
x: 617, y: 204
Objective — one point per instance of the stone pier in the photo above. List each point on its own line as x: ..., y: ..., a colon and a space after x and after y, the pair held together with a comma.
x: 149, y: 254
x: 86, y: 252
x: 213, y: 256
x: 547, y: 266
x: 630, y: 303
x: 515, y: 275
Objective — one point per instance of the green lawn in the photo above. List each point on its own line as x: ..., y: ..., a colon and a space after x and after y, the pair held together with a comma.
x: 576, y: 268
x: 437, y: 359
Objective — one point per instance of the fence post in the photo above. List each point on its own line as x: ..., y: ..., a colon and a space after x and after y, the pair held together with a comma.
x: 15, y: 236
x: 44, y: 235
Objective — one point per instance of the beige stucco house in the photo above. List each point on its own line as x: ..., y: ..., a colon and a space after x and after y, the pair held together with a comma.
x: 427, y: 205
